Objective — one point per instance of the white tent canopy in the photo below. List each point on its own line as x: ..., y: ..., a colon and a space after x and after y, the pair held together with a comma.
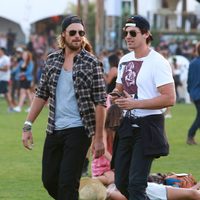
x: 26, y: 12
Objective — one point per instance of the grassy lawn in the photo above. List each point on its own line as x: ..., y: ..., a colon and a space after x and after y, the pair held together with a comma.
x: 182, y: 157
x: 20, y: 169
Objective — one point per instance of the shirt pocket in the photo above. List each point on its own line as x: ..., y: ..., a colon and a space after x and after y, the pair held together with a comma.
x: 83, y: 78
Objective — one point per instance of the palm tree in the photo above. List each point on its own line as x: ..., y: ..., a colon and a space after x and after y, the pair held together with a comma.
x: 82, y: 10
x: 99, y: 27
x: 184, y: 13
x: 135, y: 3
x: 78, y: 7
x: 85, y: 5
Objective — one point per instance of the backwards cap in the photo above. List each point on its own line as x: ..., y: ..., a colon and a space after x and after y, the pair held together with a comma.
x: 70, y: 20
x: 138, y: 21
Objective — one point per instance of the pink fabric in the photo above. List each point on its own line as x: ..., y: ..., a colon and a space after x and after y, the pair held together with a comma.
x: 108, y: 101
x: 100, y: 166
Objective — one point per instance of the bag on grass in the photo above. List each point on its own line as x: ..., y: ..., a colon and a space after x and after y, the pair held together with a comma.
x: 180, y: 180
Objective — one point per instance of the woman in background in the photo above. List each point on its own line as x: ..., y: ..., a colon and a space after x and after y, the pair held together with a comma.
x: 111, y: 77
x: 24, y: 73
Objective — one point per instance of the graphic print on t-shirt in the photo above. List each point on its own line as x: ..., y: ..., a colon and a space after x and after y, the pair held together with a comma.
x: 131, y: 70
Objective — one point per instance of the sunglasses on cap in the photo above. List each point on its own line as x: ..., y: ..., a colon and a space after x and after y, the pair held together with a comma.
x: 73, y: 33
x: 132, y: 33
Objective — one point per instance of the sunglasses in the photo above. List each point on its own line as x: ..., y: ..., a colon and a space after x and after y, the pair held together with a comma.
x: 132, y: 33
x: 73, y: 33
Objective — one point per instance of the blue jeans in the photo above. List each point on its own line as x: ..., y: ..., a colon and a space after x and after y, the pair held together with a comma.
x: 196, y: 123
x: 132, y: 167
x: 63, y: 159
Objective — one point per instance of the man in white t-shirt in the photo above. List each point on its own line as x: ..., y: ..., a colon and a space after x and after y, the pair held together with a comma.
x: 5, y: 77
x: 145, y: 79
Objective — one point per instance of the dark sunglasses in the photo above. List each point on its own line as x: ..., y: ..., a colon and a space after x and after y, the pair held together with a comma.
x: 73, y: 33
x: 132, y: 33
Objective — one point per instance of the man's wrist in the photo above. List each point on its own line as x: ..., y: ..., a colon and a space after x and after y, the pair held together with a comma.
x: 28, y: 123
x: 98, y: 137
x: 27, y: 126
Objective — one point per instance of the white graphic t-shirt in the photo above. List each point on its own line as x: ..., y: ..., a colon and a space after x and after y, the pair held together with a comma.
x: 141, y: 77
x: 129, y: 77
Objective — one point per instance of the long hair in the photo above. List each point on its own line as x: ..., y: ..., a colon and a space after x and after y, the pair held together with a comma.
x: 114, y: 117
x: 87, y: 46
x: 28, y: 59
x: 61, y: 41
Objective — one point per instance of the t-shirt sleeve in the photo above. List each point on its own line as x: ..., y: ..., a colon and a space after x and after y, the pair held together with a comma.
x: 119, y: 74
x: 163, y: 73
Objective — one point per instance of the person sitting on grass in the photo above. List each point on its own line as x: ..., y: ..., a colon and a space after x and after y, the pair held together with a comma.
x: 101, y: 168
x: 154, y: 190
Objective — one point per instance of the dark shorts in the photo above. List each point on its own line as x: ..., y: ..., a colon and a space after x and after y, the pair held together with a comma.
x: 25, y: 84
x: 3, y: 87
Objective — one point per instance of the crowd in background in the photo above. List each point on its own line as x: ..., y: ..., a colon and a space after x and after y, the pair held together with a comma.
x: 25, y: 67
x: 32, y: 57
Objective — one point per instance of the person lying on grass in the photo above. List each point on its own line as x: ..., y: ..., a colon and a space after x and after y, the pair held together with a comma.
x: 157, y: 191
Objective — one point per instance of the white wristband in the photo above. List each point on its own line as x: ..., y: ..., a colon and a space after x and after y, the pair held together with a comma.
x: 28, y: 123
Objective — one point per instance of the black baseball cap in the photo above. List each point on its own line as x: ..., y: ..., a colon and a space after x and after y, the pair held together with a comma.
x: 70, y: 19
x: 140, y: 22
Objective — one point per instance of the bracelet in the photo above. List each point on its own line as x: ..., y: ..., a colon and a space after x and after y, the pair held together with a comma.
x: 27, y: 126
x: 28, y: 123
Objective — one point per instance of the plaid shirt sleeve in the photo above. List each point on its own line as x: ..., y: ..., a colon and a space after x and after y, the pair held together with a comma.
x: 99, y: 94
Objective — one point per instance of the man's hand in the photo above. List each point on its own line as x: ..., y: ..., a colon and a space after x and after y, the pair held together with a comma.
x: 27, y: 140
x: 126, y: 102
x: 98, y: 148
x: 115, y: 94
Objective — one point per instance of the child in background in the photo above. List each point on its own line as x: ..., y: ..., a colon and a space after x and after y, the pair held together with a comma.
x: 101, y: 168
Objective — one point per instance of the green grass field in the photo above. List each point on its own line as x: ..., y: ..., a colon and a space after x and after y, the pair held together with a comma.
x: 20, y: 169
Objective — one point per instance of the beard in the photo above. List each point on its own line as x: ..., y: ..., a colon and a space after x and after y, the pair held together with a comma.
x: 74, y: 46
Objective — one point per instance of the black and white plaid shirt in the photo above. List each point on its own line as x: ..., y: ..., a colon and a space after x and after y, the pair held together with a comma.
x: 89, y: 86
